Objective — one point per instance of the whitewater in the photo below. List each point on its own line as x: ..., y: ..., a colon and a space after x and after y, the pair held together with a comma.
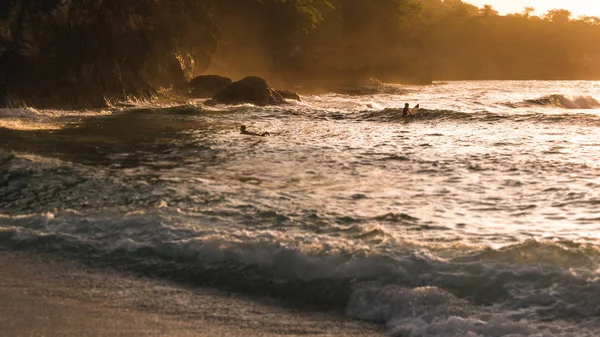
x: 479, y: 216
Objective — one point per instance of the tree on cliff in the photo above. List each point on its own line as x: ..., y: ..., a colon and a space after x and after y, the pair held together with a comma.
x: 90, y: 52
x: 488, y: 10
x: 558, y: 16
x: 528, y: 11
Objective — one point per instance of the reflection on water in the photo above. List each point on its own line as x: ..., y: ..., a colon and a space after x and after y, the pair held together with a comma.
x: 488, y: 198
x: 472, y: 180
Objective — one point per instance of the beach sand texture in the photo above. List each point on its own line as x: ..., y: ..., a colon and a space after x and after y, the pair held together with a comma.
x: 44, y: 297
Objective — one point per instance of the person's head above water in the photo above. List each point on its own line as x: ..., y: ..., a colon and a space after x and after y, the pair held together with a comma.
x: 243, y: 128
x: 406, y: 105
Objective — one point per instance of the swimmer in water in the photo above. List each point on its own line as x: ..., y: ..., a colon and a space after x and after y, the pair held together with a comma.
x: 243, y: 131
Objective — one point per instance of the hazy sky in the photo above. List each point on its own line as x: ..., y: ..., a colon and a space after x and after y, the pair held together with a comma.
x: 578, y: 7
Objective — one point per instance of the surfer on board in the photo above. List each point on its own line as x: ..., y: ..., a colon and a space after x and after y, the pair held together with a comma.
x: 407, y: 111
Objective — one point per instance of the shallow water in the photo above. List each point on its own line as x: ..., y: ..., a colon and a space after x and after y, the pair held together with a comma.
x: 479, y: 216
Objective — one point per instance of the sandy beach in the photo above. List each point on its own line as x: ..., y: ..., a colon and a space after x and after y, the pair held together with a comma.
x: 44, y: 297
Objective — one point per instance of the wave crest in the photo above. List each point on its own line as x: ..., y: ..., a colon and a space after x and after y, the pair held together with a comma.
x: 395, y: 287
x: 565, y: 102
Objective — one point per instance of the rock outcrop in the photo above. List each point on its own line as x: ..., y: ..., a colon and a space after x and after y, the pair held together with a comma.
x: 288, y: 94
x: 86, y: 53
x: 208, y: 85
x: 250, y: 90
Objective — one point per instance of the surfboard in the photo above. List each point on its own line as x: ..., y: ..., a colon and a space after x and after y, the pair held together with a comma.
x: 414, y: 111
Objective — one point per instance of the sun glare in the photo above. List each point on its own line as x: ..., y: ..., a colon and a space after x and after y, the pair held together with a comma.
x: 590, y: 8
x: 578, y: 7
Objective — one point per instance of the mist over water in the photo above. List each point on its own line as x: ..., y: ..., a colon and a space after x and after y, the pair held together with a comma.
x: 477, y: 217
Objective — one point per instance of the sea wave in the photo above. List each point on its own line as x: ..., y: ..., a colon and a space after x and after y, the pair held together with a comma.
x: 374, y: 89
x: 32, y: 113
x: 415, y: 290
x: 175, y: 192
x: 19, y: 113
x: 565, y: 102
x: 429, y: 115
x: 396, y: 114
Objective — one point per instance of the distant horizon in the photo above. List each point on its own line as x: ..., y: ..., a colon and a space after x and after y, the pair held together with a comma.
x: 578, y: 7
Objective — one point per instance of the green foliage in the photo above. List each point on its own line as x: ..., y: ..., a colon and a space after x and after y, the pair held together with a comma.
x: 589, y: 20
x: 306, y: 13
x: 559, y: 16
x: 75, y: 51
x: 527, y: 11
x: 488, y: 11
x: 516, y: 46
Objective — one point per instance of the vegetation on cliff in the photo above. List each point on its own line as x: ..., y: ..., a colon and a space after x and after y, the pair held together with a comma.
x: 86, y: 53
x: 83, y: 53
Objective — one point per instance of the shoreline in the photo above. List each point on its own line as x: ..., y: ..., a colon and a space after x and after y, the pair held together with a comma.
x: 43, y: 296
x: 179, y: 97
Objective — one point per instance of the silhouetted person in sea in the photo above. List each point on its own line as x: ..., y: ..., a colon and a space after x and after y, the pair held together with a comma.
x: 406, y: 110
x: 243, y: 131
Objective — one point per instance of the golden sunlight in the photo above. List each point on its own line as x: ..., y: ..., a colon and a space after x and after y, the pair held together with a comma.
x: 578, y: 7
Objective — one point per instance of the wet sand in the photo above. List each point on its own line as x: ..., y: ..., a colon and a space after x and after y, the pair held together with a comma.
x: 45, y: 297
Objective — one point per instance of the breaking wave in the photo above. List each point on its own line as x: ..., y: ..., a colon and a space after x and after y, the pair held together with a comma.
x: 516, y: 290
x: 352, y: 265
x: 562, y: 101
x: 459, y: 226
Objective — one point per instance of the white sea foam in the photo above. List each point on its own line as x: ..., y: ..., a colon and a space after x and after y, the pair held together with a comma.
x: 562, y: 101
x: 475, y: 219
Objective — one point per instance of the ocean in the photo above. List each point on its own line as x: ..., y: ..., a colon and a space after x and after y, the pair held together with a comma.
x: 479, y: 216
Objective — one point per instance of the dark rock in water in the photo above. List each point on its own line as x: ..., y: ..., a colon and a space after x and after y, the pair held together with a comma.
x: 253, y: 90
x: 288, y: 94
x: 208, y: 85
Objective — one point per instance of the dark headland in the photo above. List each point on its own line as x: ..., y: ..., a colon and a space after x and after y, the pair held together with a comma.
x: 87, y: 54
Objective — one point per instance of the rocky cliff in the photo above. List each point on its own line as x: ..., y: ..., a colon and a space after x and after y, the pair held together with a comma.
x: 86, y: 53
